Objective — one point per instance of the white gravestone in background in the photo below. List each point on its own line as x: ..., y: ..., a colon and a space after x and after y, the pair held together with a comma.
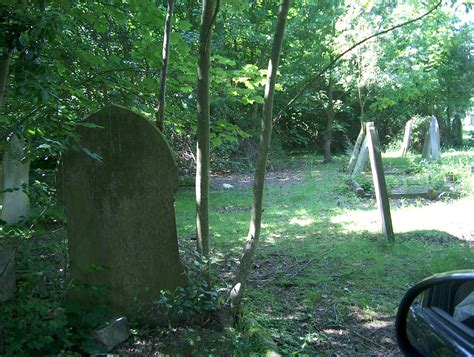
x: 431, y: 148
x: 16, y: 204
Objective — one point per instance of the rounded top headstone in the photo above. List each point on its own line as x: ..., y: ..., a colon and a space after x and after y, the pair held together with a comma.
x: 118, y: 187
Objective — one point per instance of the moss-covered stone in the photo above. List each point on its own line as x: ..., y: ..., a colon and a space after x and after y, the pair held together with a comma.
x: 120, y: 213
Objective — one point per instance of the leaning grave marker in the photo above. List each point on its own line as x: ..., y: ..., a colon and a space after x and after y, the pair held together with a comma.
x: 375, y: 153
x: 120, y: 213
x: 406, y: 138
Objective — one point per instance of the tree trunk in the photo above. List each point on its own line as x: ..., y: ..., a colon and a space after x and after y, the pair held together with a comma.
x: 209, y: 12
x: 445, y: 126
x: 330, y: 120
x: 160, y: 112
x: 457, y: 131
x: 7, y: 254
x: 246, y: 261
x: 4, y: 67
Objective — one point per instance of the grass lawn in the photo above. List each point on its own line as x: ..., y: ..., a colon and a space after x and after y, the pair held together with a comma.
x: 325, y: 281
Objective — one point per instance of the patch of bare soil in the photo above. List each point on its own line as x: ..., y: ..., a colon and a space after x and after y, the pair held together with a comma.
x: 240, y: 181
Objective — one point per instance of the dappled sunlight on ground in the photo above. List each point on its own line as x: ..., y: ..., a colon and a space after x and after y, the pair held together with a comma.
x: 323, y: 281
x: 455, y: 218
x: 302, y: 221
x: 358, y: 220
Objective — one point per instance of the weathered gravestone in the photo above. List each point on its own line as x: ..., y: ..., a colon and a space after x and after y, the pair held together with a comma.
x: 431, y: 147
x: 406, y: 138
x: 120, y: 214
x: 361, y: 162
x: 16, y: 206
x: 356, y: 150
x: 16, y: 168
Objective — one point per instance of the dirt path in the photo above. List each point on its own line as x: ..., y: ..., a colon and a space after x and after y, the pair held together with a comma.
x: 245, y: 181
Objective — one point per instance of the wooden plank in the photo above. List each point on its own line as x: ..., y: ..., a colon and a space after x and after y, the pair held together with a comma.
x: 406, y: 138
x: 378, y: 177
x: 356, y: 150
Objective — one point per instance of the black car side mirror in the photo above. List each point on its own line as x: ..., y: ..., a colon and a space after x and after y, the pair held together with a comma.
x: 436, y: 316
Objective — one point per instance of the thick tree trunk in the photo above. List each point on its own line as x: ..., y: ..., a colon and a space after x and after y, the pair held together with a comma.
x: 246, y: 261
x: 209, y: 11
x: 160, y: 112
x: 330, y: 120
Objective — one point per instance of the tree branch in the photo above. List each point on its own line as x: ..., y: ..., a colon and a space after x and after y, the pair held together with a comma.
x: 338, y: 57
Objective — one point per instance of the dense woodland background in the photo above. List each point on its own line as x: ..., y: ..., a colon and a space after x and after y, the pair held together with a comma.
x: 67, y: 59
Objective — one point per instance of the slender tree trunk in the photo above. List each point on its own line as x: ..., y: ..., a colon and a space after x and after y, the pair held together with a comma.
x: 7, y: 254
x: 165, y: 55
x: 445, y: 125
x: 457, y: 130
x: 209, y: 12
x: 4, y: 67
x: 246, y: 262
x: 330, y: 120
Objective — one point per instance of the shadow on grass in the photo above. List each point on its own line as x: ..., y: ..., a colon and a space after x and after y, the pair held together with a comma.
x: 340, y: 297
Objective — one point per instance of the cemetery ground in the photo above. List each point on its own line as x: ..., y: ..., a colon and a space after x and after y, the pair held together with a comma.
x: 325, y: 281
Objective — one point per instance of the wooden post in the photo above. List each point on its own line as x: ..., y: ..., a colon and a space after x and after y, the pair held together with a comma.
x: 406, y: 138
x: 378, y: 176
x: 361, y: 159
x: 356, y: 150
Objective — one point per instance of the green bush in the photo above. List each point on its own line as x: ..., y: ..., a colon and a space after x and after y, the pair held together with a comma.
x: 34, y: 324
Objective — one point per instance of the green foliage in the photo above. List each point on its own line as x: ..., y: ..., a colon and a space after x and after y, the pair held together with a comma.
x: 192, y: 301
x: 34, y: 324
